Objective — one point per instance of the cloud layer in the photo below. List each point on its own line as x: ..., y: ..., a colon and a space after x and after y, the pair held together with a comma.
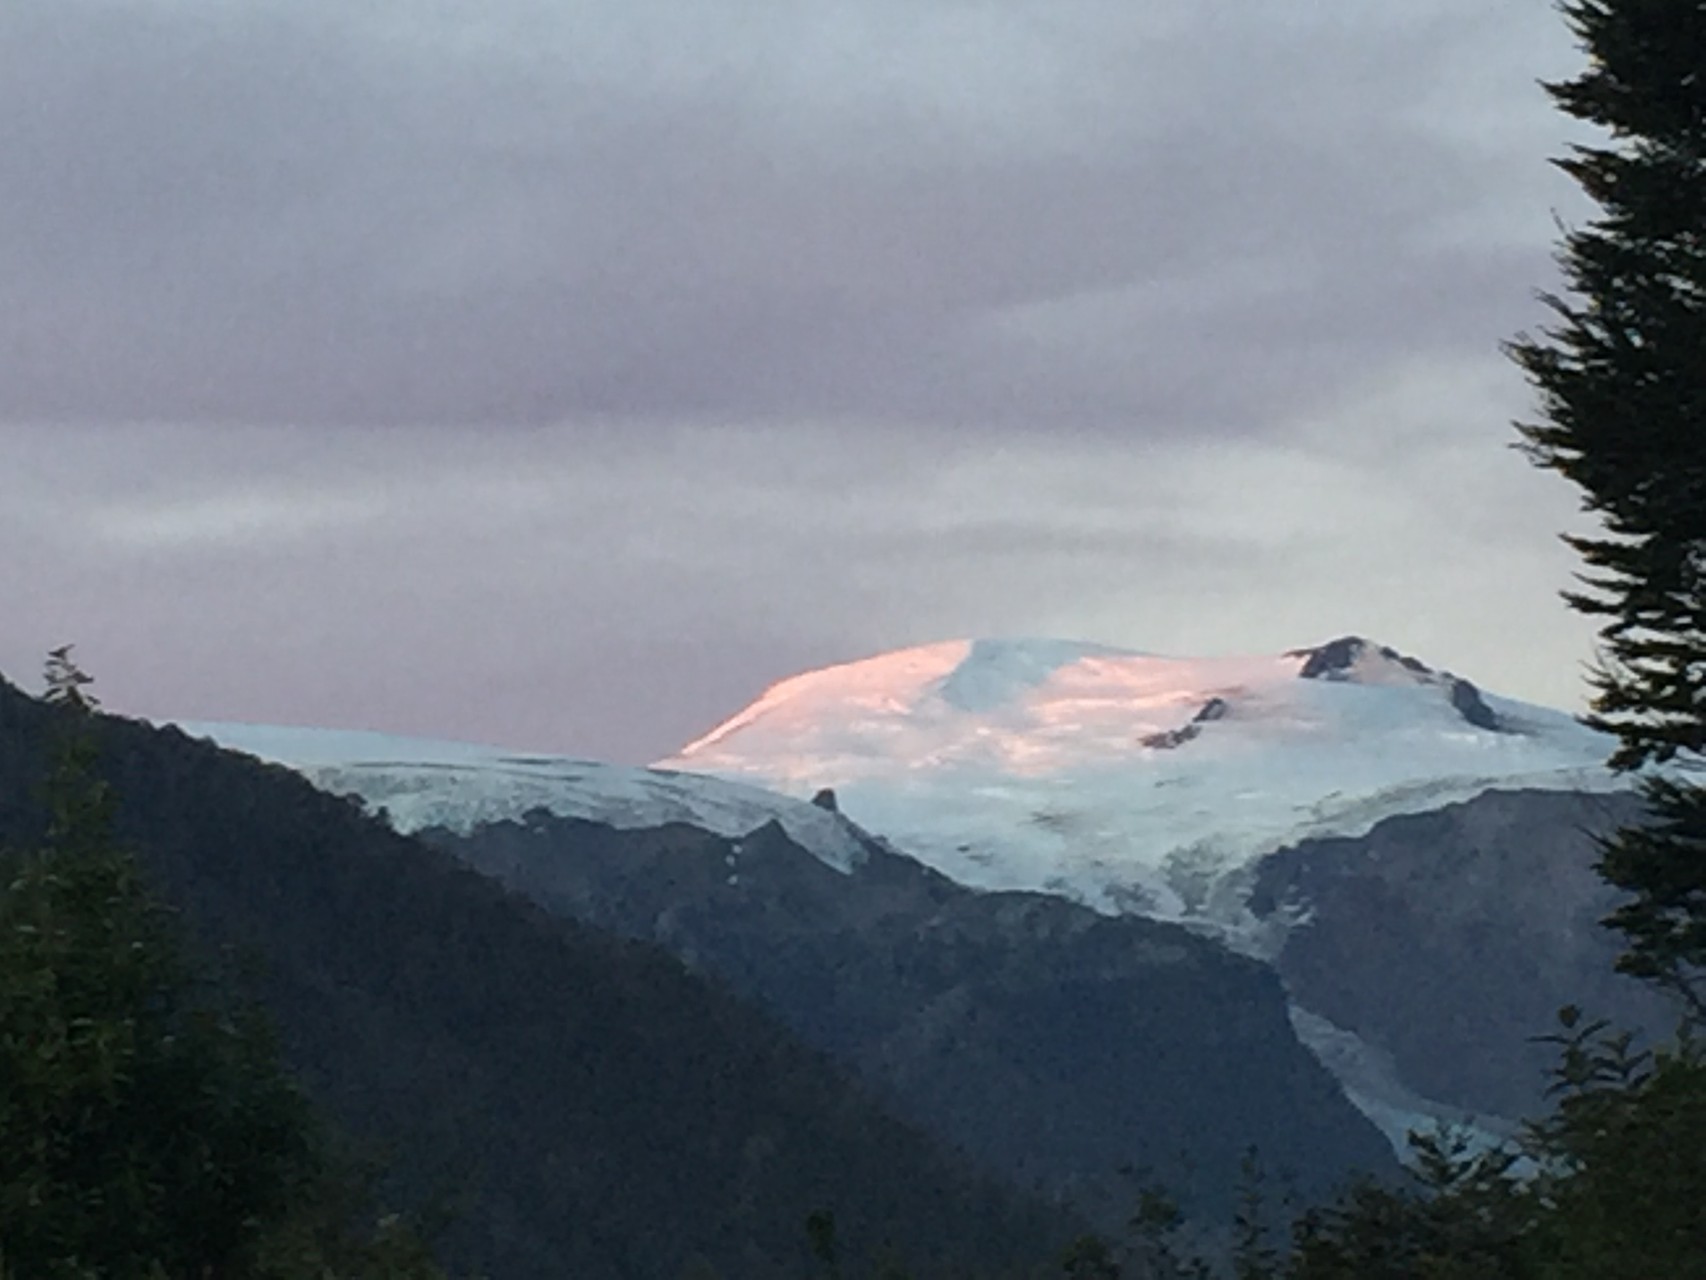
x: 562, y: 373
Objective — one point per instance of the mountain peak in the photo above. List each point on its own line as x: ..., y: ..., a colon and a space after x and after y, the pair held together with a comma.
x: 1337, y: 659
x: 1028, y: 763
x: 1039, y: 697
x: 1362, y: 661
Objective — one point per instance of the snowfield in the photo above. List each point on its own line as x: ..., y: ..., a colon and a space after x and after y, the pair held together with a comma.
x: 1133, y: 782
x: 1127, y: 781
x: 459, y: 786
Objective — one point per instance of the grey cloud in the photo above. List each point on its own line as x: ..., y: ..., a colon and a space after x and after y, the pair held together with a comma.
x: 227, y: 215
x: 518, y: 590
x: 720, y: 341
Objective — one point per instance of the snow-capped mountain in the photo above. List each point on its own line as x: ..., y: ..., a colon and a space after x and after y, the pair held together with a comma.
x: 459, y: 786
x: 1134, y: 782
x: 1149, y: 786
x: 953, y: 1003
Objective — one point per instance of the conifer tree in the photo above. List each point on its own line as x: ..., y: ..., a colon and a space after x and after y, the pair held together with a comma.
x: 147, y: 1128
x: 1621, y: 377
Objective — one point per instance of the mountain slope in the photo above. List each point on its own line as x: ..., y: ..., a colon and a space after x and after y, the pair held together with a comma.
x: 1055, y: 1044
x: 1451, y: 938
x: 1412, y: 854
x: 954, y: 1004
x: 599, y: 1111
x: 1134, y: 782
x: 1275, y: 803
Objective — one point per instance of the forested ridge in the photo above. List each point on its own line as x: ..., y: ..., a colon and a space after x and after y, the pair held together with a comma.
x: 582, y: 1105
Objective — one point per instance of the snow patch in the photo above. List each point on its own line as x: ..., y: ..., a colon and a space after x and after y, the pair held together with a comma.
x: 422, y: 783
x: 1370, y: 1080
x: 1094, y: 772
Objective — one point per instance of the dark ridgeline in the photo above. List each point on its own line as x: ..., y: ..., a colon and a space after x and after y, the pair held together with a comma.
x: 589, y: 1107
x: 1054, y: 1043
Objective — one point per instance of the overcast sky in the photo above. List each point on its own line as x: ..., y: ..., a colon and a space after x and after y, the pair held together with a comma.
x: 558, y: 373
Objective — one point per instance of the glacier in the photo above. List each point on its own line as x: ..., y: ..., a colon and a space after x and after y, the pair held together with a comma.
x: 420, y: 783
x: 1135, y: 782
x: 1128, y: 781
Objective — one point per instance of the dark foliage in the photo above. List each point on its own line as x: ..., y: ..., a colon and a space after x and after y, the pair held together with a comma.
x: 590, y: 1108
x: 1622, y: 383
x: 1611, y: 1185
x: 146, y: 1126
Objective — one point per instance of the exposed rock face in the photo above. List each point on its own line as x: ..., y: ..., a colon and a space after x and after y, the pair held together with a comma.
x: 1210, y: 711
x: 1339, y: 660
x: 1451, y: 938
x: 1334, y: 660
x: 1054, y: 1044
x: 825, y: 799
x: 1473, y: 708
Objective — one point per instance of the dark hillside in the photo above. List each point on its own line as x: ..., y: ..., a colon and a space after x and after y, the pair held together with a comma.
x: 599, y: 1111
x: 1450, y: 939
x: 1055, y: 1044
